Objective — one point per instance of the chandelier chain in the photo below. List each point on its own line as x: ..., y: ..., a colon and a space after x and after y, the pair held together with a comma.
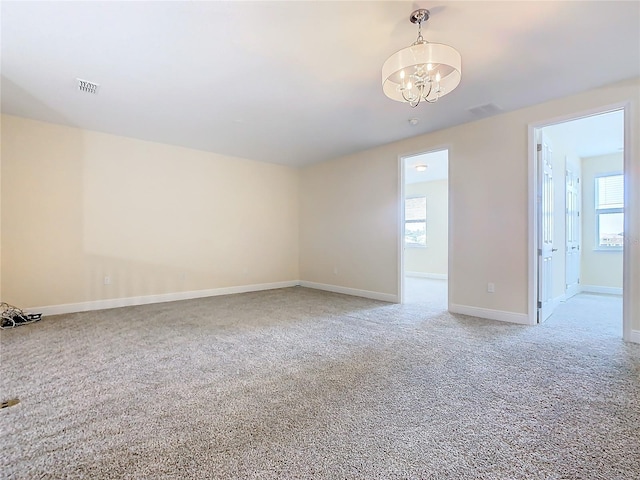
x: 420, y: 39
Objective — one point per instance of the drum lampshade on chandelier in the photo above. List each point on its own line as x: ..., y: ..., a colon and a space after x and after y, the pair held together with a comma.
x: 422, y: 72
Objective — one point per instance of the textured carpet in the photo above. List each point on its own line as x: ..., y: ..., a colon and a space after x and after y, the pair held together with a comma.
x: 426, y: 290
x: 297, y: 383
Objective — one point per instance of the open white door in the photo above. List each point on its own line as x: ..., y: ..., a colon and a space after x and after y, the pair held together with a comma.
x: 573, y: 199
x: 545, y: 229
x: 576, y: 134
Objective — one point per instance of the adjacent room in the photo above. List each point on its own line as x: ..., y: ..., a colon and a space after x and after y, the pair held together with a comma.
x: 426, y: 229
x: 587, y: 162
x: 320, y: 240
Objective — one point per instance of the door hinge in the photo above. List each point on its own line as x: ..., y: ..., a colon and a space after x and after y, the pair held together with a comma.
x: 539, y: 252
x: 539, y: 304
x: 539, y: 147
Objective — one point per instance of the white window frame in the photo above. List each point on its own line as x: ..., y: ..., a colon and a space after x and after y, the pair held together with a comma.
x: 601, y: 211
x: 406, y: 221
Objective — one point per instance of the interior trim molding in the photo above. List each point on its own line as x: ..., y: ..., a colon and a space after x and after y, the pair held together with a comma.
x: 558, y: 300
x: 160, y: 298
x: 627, y: 107
x: 500, y: 315
x: 604, y: 290
x: 437, y: 276
x: 385, y: 297
x: 635, y: 336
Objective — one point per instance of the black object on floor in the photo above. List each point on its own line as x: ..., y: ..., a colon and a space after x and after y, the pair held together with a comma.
x: 14, y: 317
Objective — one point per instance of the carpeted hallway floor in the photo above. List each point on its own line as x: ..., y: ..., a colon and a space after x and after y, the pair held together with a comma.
x: 297, y: 383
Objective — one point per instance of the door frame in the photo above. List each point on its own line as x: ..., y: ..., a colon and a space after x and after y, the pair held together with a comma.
x: 533, y: 207
x: 400, y: 229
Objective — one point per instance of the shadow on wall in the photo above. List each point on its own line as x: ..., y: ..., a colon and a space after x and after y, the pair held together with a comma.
x: 42, y: 193
x: 112, y: 217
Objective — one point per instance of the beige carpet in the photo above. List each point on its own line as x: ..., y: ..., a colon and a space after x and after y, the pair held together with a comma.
x: 297, y: 383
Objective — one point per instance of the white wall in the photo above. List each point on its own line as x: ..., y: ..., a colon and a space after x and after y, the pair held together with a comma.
x: 0, y: 205
x: 77, y: 205
x: 80, y: 205
x: 598, y: 268
x: 432, y: 259
x: 350, y: 209
x: 350, y: 215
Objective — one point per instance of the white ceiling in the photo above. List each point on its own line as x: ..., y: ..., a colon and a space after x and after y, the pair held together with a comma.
x: 437, y: 164
x: 591, y: 136
x: 295, y: 82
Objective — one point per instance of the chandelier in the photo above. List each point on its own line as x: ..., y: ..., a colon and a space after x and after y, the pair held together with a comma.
x: 423, y: 71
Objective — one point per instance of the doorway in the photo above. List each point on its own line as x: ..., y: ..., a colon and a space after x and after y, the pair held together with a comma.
x: 578, y: 200
x: 425, y: 229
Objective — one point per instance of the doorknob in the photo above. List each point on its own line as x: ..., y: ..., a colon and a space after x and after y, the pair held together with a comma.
x: 554, y: 249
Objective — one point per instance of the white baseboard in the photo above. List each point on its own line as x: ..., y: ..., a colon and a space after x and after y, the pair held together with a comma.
x: 437, y: 276
x: 165, y: 297
x: 385, y: 297
x: 597, y: 289
x: 520, y: 318
x: 558, y: 300
x: 500, y: 315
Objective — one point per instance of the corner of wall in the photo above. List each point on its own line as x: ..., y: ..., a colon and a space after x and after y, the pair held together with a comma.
x: 1, y: 117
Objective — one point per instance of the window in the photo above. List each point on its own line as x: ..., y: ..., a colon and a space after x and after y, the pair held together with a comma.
x: 415, y: 222
x: 609, y: 211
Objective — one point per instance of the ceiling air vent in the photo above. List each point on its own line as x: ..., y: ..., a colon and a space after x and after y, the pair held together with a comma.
x: 87, y: 87
x: 485, y: 110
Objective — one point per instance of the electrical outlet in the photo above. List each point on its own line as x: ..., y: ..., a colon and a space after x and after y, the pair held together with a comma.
x: 107, y: 280
x: 491, y: 287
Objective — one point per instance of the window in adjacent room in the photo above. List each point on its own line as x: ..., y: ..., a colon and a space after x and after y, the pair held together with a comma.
x: 415, y: 222
x: 609, y: 191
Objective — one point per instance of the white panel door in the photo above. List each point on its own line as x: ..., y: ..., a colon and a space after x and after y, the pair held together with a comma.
x: 545, y: 229
x: 573, y: 199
